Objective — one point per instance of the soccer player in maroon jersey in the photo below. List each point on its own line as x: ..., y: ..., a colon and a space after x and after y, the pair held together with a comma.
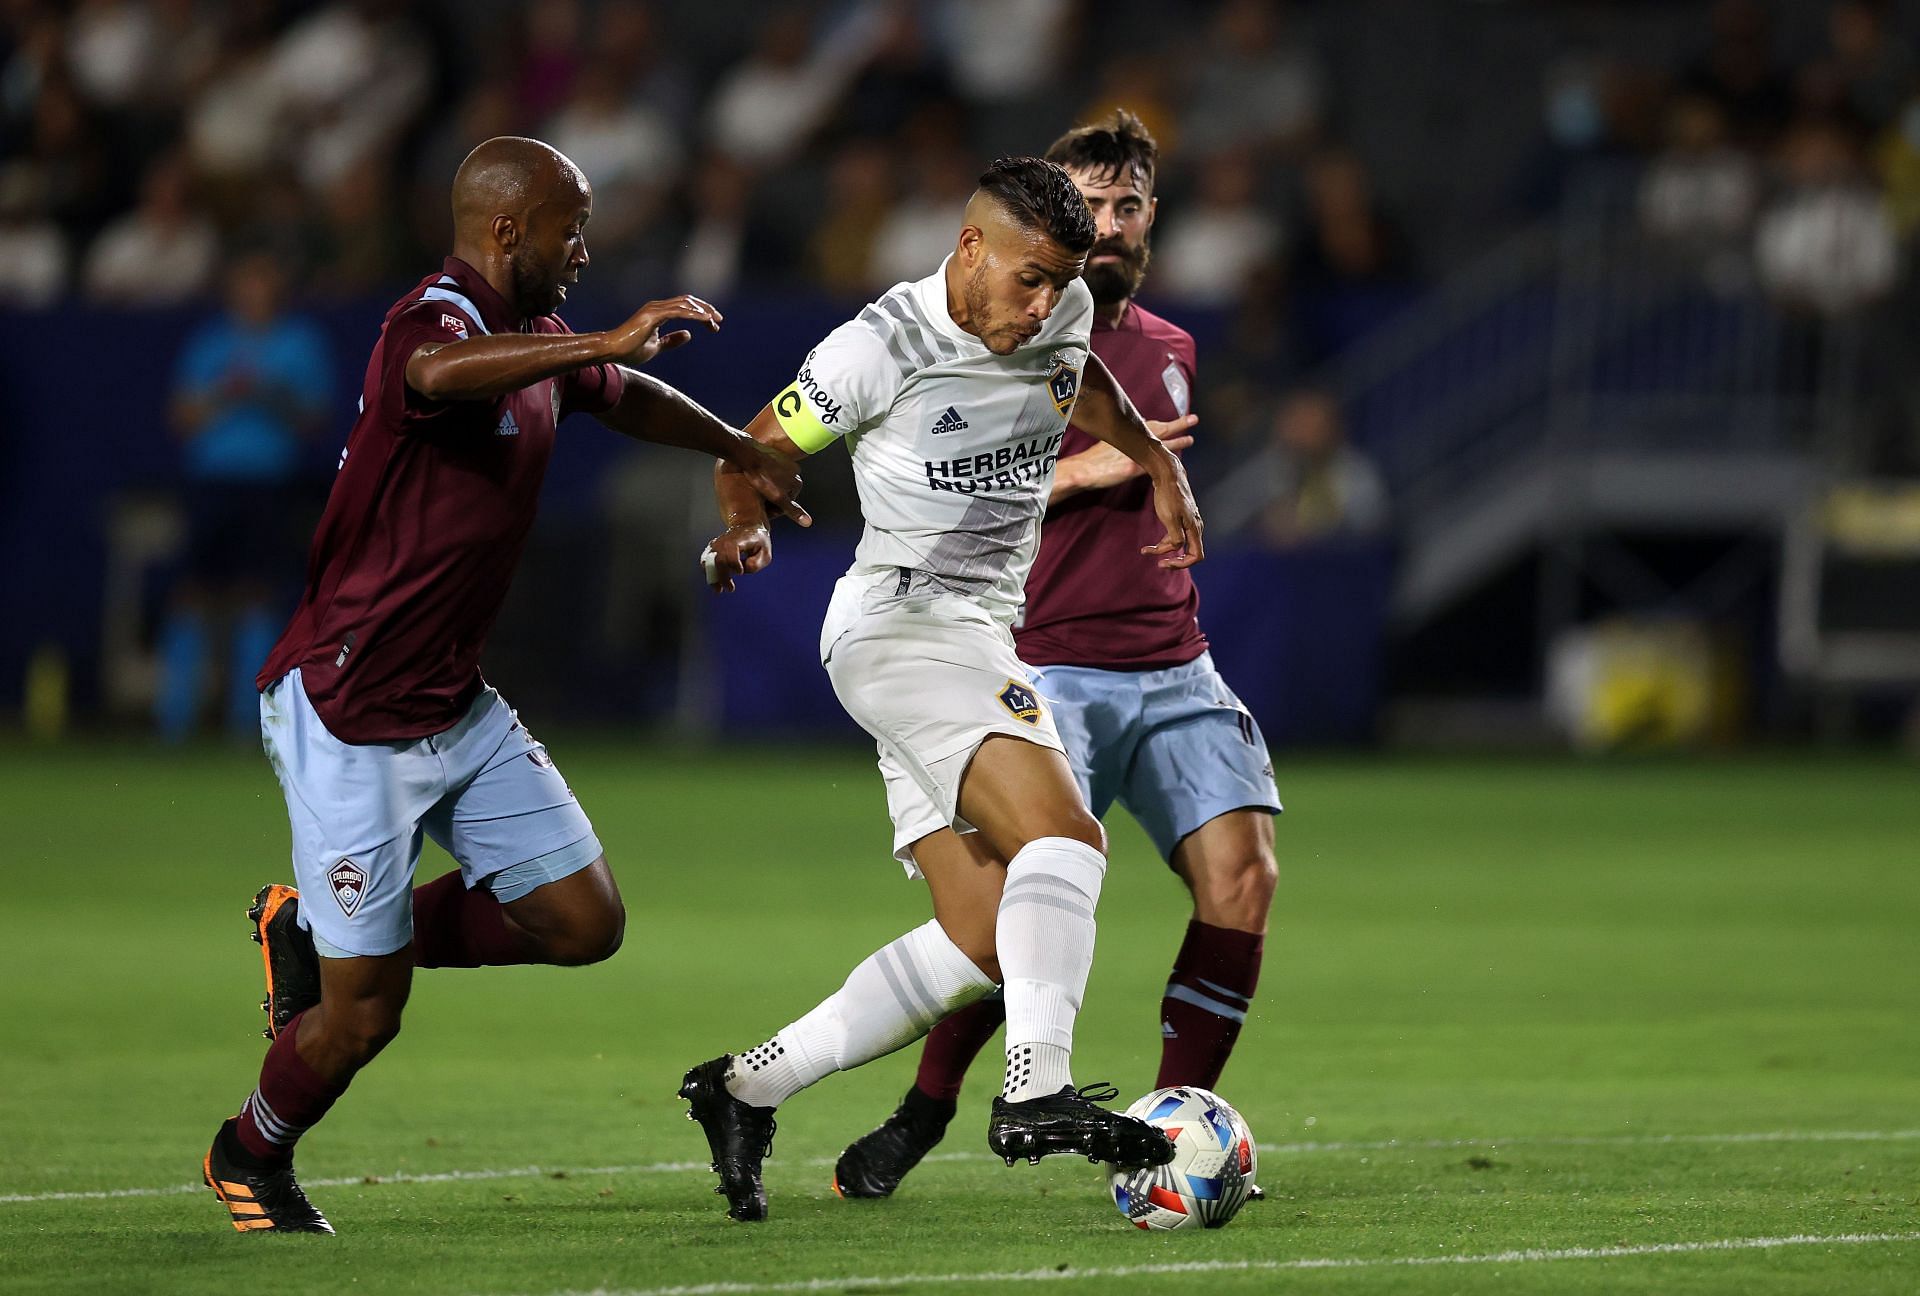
x: 373, y: 710
x: 1146, y: 718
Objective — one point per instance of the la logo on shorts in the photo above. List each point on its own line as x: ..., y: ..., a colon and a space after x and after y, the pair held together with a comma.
x: 1019, y: 699
x: 349, y: 883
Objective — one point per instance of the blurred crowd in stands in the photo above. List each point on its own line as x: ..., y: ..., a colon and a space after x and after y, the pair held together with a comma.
x: 827, y: 145
x: 1810, y: 168
x: 753, y: 147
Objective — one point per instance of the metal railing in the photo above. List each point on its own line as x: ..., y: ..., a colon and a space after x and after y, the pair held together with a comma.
x: 1585, y: 336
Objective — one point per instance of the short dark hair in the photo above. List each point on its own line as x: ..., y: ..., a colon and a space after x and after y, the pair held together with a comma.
x: 1042, y: 197
x: 1112, y: 148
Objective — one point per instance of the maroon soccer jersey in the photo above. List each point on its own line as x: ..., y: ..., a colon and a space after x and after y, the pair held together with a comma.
x: 1093, y: 599
x: 425, y: 524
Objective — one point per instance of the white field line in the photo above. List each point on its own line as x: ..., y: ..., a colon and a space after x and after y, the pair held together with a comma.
x: 901, y: 1280
x: 1270, y: 1149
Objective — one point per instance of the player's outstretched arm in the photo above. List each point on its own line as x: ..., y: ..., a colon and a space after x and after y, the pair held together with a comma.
x: 1102, y: 466
x: 1106, y: 414
x: 650, y: 410
x: 746, y: 545
x: 480, y: 368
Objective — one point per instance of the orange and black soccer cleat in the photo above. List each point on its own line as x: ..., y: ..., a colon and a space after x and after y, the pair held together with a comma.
x: 260, y: 1200
x: 286, y: 948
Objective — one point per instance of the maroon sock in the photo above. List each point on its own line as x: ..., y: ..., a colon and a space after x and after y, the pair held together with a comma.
x: 1206, y: 1001
x: 953, y: 1045
x: 455, y: 927
x: 291, y: 1097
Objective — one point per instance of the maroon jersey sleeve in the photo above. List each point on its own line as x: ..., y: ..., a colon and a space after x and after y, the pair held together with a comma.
x: 419, y: 324
x: 594, y: 389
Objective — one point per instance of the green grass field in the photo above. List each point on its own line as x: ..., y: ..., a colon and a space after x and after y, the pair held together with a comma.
x: 1665, y: 1010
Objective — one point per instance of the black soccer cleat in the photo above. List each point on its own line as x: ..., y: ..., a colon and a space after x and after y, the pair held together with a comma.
x: 259, y: 1200
x: 874, y: 1164
x: 286, y: 949
x: 1069, y: 1122
x: 739, y: 1136
x: 1256, y: 1193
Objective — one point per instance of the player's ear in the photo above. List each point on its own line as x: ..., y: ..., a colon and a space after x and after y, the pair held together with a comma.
x: 972, y: 242
x: 506, y: 232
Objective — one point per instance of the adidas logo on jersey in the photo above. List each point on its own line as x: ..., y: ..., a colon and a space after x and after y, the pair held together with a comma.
x: 507, y: 426
x: 949, y: 422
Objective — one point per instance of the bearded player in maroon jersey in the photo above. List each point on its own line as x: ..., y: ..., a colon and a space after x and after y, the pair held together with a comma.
x: 1146, y: 718
x: 373, y: 711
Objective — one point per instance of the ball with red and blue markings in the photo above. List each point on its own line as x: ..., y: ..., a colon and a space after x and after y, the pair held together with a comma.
x: 1206, y: 1183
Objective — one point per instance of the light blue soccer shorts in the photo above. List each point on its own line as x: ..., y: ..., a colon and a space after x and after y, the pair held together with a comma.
x: 485, y: 790
x: 1174, y: 746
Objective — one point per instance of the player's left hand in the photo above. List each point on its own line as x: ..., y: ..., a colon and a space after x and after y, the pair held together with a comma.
x: 1173, y: 504
x: 736, y: 551
x: 639, y: 339
x: 771, y: 473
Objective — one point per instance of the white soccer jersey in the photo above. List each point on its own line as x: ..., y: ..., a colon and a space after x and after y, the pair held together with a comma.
x: 953, y: 446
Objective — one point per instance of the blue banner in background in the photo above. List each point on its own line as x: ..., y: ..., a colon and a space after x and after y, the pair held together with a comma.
x: 1298, y: 634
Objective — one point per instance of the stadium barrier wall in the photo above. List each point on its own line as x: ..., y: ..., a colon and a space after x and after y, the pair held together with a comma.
x: 1298, y: 634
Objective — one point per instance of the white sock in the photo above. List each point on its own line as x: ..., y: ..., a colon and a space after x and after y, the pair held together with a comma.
x: 889, y: 1001
x: 1045, y: 937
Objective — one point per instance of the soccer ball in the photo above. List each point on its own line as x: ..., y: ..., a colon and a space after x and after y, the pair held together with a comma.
x: 1213, y: 1163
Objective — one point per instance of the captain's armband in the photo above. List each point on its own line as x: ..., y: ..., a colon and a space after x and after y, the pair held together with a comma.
x: 801, y: 420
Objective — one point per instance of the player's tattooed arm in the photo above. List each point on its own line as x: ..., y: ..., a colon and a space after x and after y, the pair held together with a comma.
x: 1106, y: 414
x: 493, y: 364
x: 746, y: 546
x: 1102, y: 466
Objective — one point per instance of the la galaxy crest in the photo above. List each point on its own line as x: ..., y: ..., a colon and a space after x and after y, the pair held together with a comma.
x: 1019, y: 699
x: 1063, y: 382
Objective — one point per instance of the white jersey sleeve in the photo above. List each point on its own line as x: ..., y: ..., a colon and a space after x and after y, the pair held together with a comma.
x: 846, y: 384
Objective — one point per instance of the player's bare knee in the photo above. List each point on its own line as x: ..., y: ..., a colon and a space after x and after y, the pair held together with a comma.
x: 616, y: 930
x: 591, y: 938
x: 606, y: 934
x: 1239, y: 894
x: 1081, y: 826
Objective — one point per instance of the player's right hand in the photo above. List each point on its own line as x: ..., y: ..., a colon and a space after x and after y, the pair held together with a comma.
x: 737, y: 551
x: 1173, y: 504
x: 640, y: 339
x: 1102, y: 466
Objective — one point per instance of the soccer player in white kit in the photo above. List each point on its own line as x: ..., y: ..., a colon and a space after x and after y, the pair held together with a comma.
x: 954, y: 393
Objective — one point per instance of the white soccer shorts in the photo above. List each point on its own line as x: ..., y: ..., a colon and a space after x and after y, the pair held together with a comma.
x: 931, y: 675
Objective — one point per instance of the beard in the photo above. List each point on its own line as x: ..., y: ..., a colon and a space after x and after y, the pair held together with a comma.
x: 1120, y: 280
x: 980, y: 311
x: 534, y: 293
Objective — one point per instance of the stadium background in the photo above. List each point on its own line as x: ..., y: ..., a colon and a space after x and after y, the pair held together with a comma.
x: 1613, y: 303
x: 1606, y: 297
